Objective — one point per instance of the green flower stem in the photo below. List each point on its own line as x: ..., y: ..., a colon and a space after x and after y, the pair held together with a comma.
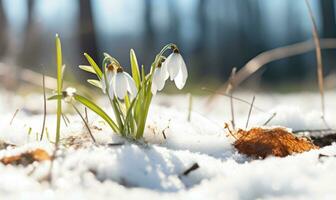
x: 59, y: 87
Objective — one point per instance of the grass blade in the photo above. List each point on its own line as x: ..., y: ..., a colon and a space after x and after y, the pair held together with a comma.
x: 44, y: 107
x: 59, y: 86
x: 94, y: 66
x: 95, y: 83
x: 87, y: 68
x: 92, y: 106
x: 135, y: 69
x: 318, y: 56
x: 85, y: 122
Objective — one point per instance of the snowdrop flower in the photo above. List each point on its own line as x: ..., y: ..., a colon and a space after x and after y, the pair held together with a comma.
x: 176, y: 68
x: 159, y: 78
x: 123, y: 82
x: 173, y: 67
x: 110, y: 73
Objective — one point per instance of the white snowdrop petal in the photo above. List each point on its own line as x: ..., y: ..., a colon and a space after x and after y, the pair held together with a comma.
x: 111, y: 91
x: 182, y: 75
x: 173, y: 63
x: 110, y: 75
x: 164, y: 71
x: 120, y: 85
x: 103, y: 84
x: 131, y: 85
x: 153, y: 88
x: 158, y: 78
x: 162, y: 80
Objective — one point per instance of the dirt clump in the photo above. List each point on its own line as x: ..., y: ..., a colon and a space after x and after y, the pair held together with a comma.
x: 263, y: 142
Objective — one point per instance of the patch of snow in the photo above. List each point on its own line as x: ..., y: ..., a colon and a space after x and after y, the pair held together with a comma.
x: 173, y: 144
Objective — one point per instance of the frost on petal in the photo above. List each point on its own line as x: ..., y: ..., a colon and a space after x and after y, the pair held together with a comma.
x: 132, y: 89
x: 182, y: 75
x: 172, y: 64
x: 120, y: 85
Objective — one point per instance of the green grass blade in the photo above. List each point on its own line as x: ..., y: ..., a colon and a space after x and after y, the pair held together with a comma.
x: 127, y: 102
x: 92, y: 106
x: 118, y: 114
x: 143, y: 76
x: 87, y: 68
x: 55, y: 97
x: 144, y: 108
x: 135, y: 69
x: 129, y: 116
x: 129, y: 119
x: 59, y: 86
x: 95, y: 83
x: 94, y: 66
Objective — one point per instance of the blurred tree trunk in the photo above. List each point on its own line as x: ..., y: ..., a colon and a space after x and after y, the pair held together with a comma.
x: 3, y: 32
x: 30, y: 49
x: 87, y: 34
x: 199, y: 50
x: 149, y: 30
x: 328, y: 30
x: 149, y: 34
x: 328, y: 18
x: 174, y: 23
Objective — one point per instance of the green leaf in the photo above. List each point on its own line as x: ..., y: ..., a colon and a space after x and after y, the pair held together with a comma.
x: 92, y: 106
x: 147, y: 98
x: 59, y: 86
x: 118, y: 114
x: 143, y: 76
x: 55, y: 97
x: 129, y: 116
x: 94, y: 66
x: 95, y: 83
x: 62, y: 74
x: 135, y: 69
x: 87, y: 68
x: 127, y: 102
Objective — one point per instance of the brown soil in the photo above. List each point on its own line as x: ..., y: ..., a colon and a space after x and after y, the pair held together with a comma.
x: 261, y: 142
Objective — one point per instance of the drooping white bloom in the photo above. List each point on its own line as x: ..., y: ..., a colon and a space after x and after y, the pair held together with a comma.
x: 173, y: 67
x: 159, y: 78
x: 177, y: 69
x: 109, y: 76
x: 123, y: 83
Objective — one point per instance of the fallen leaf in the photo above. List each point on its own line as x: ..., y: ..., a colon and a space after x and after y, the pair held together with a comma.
x: 262, y: 142
x: 26, y: 158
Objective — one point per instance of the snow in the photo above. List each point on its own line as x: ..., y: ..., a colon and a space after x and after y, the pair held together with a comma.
x: 154, y: 169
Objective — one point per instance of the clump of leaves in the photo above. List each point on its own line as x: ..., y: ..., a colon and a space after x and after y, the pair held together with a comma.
x: 130, y: 96
x: 263, y: 142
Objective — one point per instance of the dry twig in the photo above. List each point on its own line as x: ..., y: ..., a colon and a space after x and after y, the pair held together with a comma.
x: 318, y: 58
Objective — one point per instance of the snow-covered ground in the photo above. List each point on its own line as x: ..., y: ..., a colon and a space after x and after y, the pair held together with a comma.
x: 155, y: 170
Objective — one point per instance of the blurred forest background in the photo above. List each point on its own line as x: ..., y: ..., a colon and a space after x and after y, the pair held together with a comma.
x: 213, y: 35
